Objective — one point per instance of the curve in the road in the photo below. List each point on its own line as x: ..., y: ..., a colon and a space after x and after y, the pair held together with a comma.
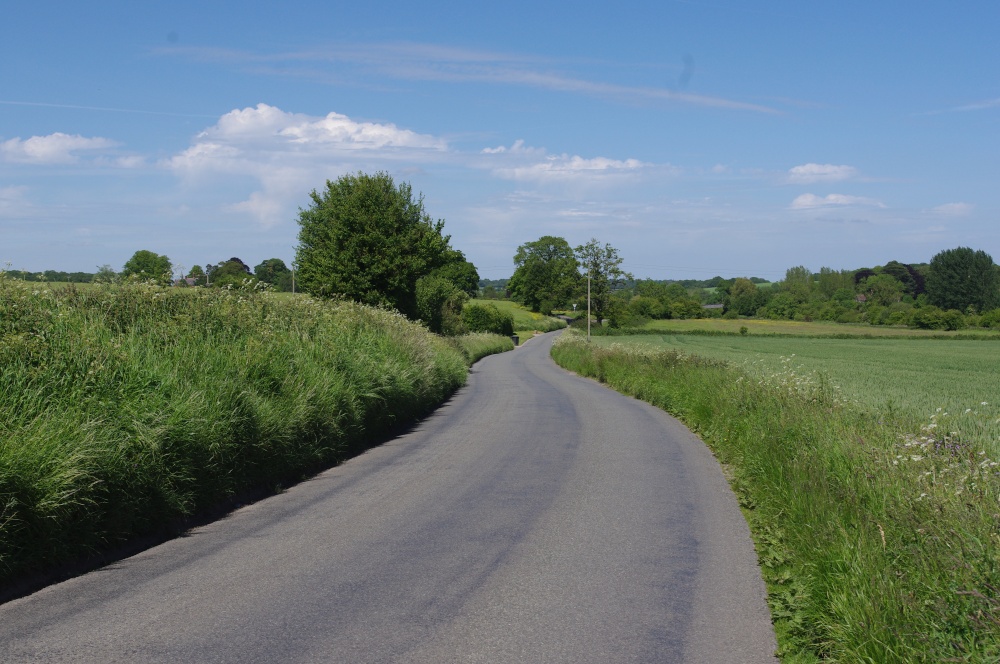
x: 536, y: 517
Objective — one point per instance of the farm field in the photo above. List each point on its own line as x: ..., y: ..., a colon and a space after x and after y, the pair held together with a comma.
x: 908, y: 376
x: 791, y: 327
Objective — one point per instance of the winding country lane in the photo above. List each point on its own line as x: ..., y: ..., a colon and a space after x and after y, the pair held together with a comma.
x: 537, y: 517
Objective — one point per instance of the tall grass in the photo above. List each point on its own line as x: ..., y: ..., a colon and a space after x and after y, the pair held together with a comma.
x: 878, y: 537
x: 124, y: 408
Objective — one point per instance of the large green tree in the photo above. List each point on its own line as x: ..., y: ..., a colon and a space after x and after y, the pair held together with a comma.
x: 148, y: 265
x: 961, y: 278
x: 602, y: 265
x: 546, y: 274
x: 365, y: 238
x: 459, y: 272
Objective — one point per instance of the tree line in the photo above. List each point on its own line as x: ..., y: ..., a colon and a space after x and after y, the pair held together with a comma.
x: 365, y: 238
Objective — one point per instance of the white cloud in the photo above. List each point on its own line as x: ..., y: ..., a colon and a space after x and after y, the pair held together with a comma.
x: 565, y: 167
x: 276, y: 127
x: 524, y: 163
x: 57, y: 148
x: 284, y: 153
x: 954, y: 209
x: 517, y: 148
x: 809, y: 173
x: 812, y: 201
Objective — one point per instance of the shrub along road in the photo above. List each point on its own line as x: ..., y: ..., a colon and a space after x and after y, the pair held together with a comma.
x: 536, y: 517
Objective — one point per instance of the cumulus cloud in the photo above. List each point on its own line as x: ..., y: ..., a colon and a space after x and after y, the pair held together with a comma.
x: 57, y: 148
x: 954, y: 209
x: 809, y: 173
x: 274, y: 126
x: 283, y: 152
x: 812, y: 201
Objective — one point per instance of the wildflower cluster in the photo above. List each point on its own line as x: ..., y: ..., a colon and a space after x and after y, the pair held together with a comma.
x: 795, y: 380
x: 946, y: 461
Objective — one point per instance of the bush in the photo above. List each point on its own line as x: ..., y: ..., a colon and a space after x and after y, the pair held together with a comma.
x: 487, y: 318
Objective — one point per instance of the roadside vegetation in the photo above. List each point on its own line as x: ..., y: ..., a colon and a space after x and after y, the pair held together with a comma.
x: 868, y: 475
x: 525, y: 322
x: 126, y: 408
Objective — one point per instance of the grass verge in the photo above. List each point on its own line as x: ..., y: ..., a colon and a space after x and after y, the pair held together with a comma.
x: 878, y: 536
x: 124, y: 409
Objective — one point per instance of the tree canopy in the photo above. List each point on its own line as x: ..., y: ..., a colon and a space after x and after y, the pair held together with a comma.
x: 961, y: 278
x: 546, y: 274
x: 365, y: 238
x: 602, y: 265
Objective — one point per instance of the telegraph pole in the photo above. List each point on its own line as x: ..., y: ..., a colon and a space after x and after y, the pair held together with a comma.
x: 588, y: 308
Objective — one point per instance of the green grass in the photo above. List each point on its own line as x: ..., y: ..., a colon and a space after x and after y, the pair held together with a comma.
x: 789, y: 327
x: 878, y: 532
x: 526, y: 322
x: 915, y: 377
x: 124, y: 409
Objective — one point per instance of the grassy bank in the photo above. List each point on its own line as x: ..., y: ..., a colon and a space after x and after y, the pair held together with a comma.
x: 526, y: 322
x: 878, y: 534
x: 126, y: 408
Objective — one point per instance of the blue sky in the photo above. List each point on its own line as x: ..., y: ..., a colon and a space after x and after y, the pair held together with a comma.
x: 699, y: 138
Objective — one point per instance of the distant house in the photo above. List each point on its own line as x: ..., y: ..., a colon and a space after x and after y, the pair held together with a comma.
x: 713, y: 306
x: 186, y: 281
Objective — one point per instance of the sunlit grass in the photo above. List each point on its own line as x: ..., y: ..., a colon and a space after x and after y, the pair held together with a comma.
x: 125, y: 408
x: 912, y: 377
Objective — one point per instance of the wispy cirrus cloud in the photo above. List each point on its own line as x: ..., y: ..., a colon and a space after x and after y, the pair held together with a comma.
x: 57, y: 148
x: 812, y: 201
x: 966, y: 108
x: 429, y: 62
x: 810, y: 173
x: 954, y: 209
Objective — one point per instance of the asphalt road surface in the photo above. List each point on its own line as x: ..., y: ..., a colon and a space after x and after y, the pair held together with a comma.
x: 536, y: 517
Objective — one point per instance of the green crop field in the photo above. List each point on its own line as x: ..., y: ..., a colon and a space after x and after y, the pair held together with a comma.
x: 791, y: 327
x: 912, y: 376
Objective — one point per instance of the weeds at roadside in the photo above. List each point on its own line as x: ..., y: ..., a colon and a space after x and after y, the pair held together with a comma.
x: 879, y: 539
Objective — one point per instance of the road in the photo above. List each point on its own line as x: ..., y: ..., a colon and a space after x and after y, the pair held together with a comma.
x: 536, y: 517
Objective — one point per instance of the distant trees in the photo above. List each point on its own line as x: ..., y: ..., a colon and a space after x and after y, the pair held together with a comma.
x: 233, y: 272
x: 198, y: 274
x: 961, y: 278
x: 271, y: 271
x: 148, y: 266
x: 546, y: 274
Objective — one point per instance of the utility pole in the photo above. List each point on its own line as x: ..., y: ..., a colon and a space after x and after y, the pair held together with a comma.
x: 588, y: 308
